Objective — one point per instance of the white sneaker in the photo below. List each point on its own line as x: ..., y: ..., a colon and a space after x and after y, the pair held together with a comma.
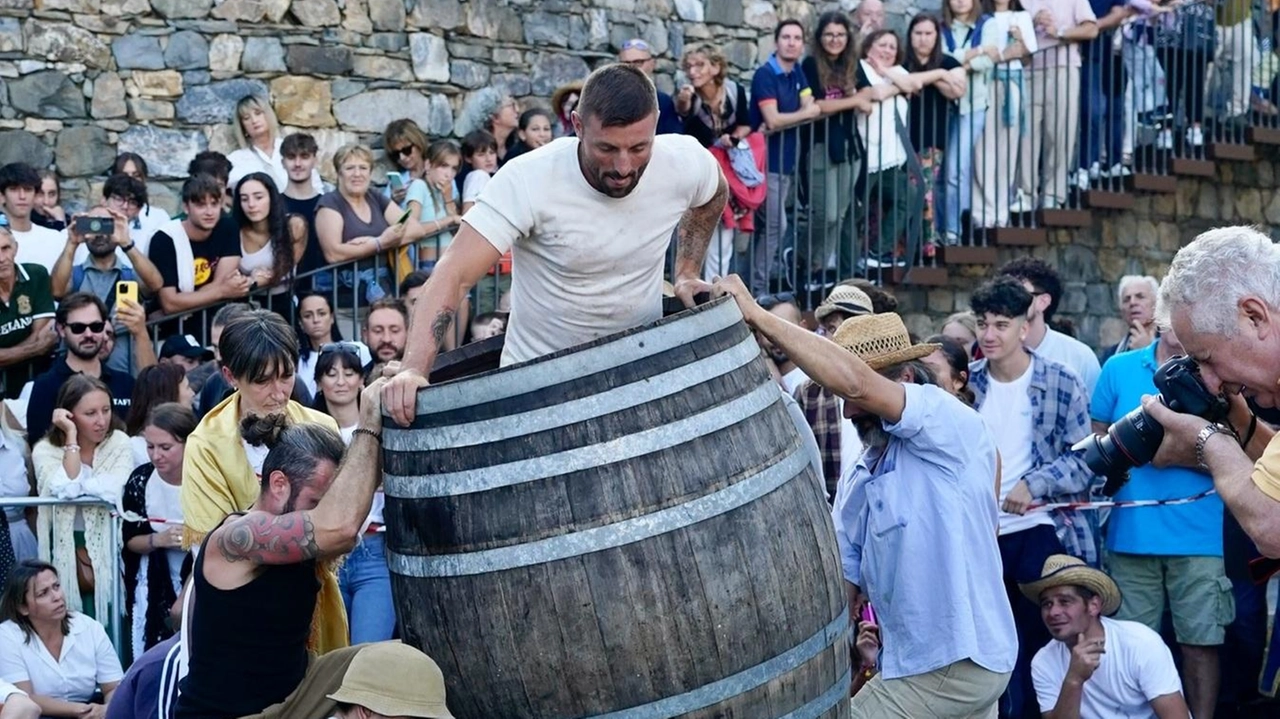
x: 1164, y: 140
x: 951, y: 239
x: 1118, y: 170
x: 1084, y: 177
x: 1195, y: 136
x: 1095, y: 171
x: 1050, y: 203
x: 1022, y: 204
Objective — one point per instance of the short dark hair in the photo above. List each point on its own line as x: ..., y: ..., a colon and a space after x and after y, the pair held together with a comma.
x: 200, y: 188
x: 124, y: 158
x: 777, y: 30
x: 19, y: 174
x: 1003, y: 297
x: 345, y: 357
x: 155, y: 385
x: 75, y: 301
x: 258, y: 346
x: 617, y: 95
x: 210, y: 163
x: 388, y: 303
x: 1041, y: 276
x: 296, y: 450
x: 414, y: 280
x: 130, y: 188
x: 299, y: 143
x: 14, y: 597
x: 477, y: 141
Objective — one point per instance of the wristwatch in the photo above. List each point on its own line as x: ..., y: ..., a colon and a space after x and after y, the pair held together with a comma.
x: 1203, y: 438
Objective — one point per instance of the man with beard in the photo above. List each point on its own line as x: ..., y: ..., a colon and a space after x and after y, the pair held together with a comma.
x: 385, y: 330
x: 81, y: 322
x: 588, y: 220
x: 95, y: 263
x: 783, y: 305
x: 922, y: 489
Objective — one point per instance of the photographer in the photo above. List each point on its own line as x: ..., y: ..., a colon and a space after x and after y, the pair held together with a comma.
x: 1222, y: 299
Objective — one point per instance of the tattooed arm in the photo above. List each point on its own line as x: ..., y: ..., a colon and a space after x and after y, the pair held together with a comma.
x: 696, y: 229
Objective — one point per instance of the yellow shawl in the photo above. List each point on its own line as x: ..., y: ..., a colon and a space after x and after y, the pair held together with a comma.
x: 217, y: 480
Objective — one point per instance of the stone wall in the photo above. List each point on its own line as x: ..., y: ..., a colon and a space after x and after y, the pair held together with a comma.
x: 1140, y: 241
x: 83, y: 79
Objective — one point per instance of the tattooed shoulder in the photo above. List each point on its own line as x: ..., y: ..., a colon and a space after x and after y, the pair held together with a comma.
x: 262, y: 538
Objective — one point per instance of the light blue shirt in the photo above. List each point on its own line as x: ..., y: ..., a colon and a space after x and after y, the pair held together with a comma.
x: 916, y: 526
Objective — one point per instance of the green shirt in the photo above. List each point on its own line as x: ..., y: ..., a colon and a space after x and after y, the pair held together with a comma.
x: 31, y: 299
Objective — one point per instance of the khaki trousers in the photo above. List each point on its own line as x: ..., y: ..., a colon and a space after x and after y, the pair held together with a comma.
x: 996, y: 155
x: 962, y: 690
x: 1048, y: 147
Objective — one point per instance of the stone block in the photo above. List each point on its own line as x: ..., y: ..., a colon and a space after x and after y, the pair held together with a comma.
x: 440, y: 118
x: 492, y: 20
x: 470, y: 51
x: 225, y: 52
x: 381, y: 67
x: 724, y: 12
x: 168, y: 152
x: 436, y: 15
x: 578, y: 37
x: 1249, y: 206
x: 388, y: 41
x: 64, y: 42
x: 251, y: 11
x: 142, y: 109
x: 1079, y: 263
x: 597, y: 28
x: 101, y: 24
x: 317, y: 13
x: 178, y: 9
x: 10, y: 35
x: 369, y: 111
x: 741, y: 54
x: 22, y: 146
x: 186, y: 50
x: 329, y: 140
x: 262, y: 54
x: 387, y: 15
x: 83, y: 151
x: 39, y: 125
x: 941, y: 300
x: 303, y: 101
x: 355, y: 17
x: 215, y: 103
x: 138, y: 52
x: 551, y: 70
x: 1272, y: 213
x: 541, y: 28
x: 690, y: 10
x: 342, y: 88
x: 309, y: 60
x: 161, y: 83
x: 515, y: 83
x: 507, y: 56
x: 125, y: 8
x: 108, y: 96
x: 48, y: 94
x: 76, y: 6
x: 430, y: 57
x: 468, y: 74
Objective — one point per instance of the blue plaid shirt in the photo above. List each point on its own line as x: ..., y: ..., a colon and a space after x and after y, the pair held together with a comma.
x: 1060, y: 407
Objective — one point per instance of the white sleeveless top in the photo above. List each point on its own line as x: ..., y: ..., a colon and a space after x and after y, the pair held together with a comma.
x: 261, y: 259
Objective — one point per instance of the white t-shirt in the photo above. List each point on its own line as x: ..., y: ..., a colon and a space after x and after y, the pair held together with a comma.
x: 585, y: 265
x: 1072, y: 354
x: 40, y: 246
x: 1007, y: 411
x: 87, y: 661
x: 793, y: 379
x: 1001, y: 22
x: 879, y: 129
x: 475, y: 182
x: 1136, y: 668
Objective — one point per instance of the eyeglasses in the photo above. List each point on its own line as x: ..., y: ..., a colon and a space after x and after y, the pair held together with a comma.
x: 78, y: 328
x: 123, y: 201
x: 402, y: 152
x: 347, y: 347
x: 835, y: 36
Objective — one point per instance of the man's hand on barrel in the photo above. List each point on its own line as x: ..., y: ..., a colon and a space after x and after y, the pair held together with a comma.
x: 732, y: 285
x: 400, y: 392
x: 687, y: 287
x: 371, y: 405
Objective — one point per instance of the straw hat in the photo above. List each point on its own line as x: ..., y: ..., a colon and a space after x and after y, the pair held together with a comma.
x: 1063, y: 570
x: 394, y: 679
x: 844, y: 298
x: 880, y: 340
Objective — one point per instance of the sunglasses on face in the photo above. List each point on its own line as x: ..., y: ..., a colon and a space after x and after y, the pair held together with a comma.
x: 405, y: 151
x: 347, y: 347
x: 768, y: 302
x: 78, y: 328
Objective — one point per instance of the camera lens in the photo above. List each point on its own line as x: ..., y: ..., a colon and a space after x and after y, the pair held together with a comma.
x: 95, y: 226
x: 1130, y: 442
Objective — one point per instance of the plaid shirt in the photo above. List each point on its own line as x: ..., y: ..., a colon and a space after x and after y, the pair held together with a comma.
x: 822, y: 411
x: 1060, y: 408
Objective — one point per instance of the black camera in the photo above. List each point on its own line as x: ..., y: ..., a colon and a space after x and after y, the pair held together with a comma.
x: 1133, y: 440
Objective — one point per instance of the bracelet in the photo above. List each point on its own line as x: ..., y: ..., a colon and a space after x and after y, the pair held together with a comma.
x: 377, y: 436
x: 377, y: 241
x: 129, y: 247
x: 1203, y: 438
x: 71, y: 448
x: 1253, y: 427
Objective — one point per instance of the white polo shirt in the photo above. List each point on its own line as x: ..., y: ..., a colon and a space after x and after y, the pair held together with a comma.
x: 88, y: 660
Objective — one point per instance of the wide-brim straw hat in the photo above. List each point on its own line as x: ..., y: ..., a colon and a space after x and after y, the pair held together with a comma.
x: 557, y: 97
x: 845, y: 298
x: 1063, y: 570
x: 880, y: 340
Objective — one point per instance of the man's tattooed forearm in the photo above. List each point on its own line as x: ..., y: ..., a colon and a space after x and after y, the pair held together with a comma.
x: 440, y: 326
x: 698, y: 225
x: 265, y: 539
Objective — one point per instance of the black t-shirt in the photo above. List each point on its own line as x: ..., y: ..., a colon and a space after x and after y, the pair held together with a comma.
x: 224, y: 241
x: 930, y: 110
x: 733, y: 116
x: 844, y: 143
x: 312, y: 256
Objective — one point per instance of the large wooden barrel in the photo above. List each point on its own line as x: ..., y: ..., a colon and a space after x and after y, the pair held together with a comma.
x: 625, y: 529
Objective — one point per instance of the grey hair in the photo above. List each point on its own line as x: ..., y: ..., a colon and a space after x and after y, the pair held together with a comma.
x: 1211, y: 275
x: 1127, y: 280
x: 480, y: 109
x: 920, y: 372
x: 298, y: 451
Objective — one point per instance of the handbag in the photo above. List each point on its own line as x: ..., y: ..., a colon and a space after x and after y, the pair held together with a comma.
x: 84, y: 571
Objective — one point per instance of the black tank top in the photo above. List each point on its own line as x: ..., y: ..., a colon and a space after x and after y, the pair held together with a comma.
x: 247, y: 646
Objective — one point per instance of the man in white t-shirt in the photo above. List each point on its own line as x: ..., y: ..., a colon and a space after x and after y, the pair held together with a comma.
x: 19, y: 183
x: 1096, y: 667
x: 1036, y: 410
x: 15, y: 704
x: 588, y: 220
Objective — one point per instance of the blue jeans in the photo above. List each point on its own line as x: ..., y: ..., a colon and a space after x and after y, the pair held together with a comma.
x: 1102, y: 108
x: 956, y: 190
x: 366, y: 591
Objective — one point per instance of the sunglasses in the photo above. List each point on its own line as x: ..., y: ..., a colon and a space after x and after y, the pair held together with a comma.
x: 636, y: 43
x: 78, y: 328
x: 770, y: 301
x: 348, y: 347
x: 405, y: 151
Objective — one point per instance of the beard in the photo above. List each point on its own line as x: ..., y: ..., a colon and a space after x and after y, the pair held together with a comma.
x: 778, y: 355
x: 101, y: 247
x: 871, y: 431
x: 387, y: 352
x: 86, y: 349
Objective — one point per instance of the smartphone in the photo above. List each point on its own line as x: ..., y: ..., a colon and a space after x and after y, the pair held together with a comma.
x: 404, y: 218
x: 127, y: 290
x: 95, y: 225
x: 396, y: 182
x: 869, y: 614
